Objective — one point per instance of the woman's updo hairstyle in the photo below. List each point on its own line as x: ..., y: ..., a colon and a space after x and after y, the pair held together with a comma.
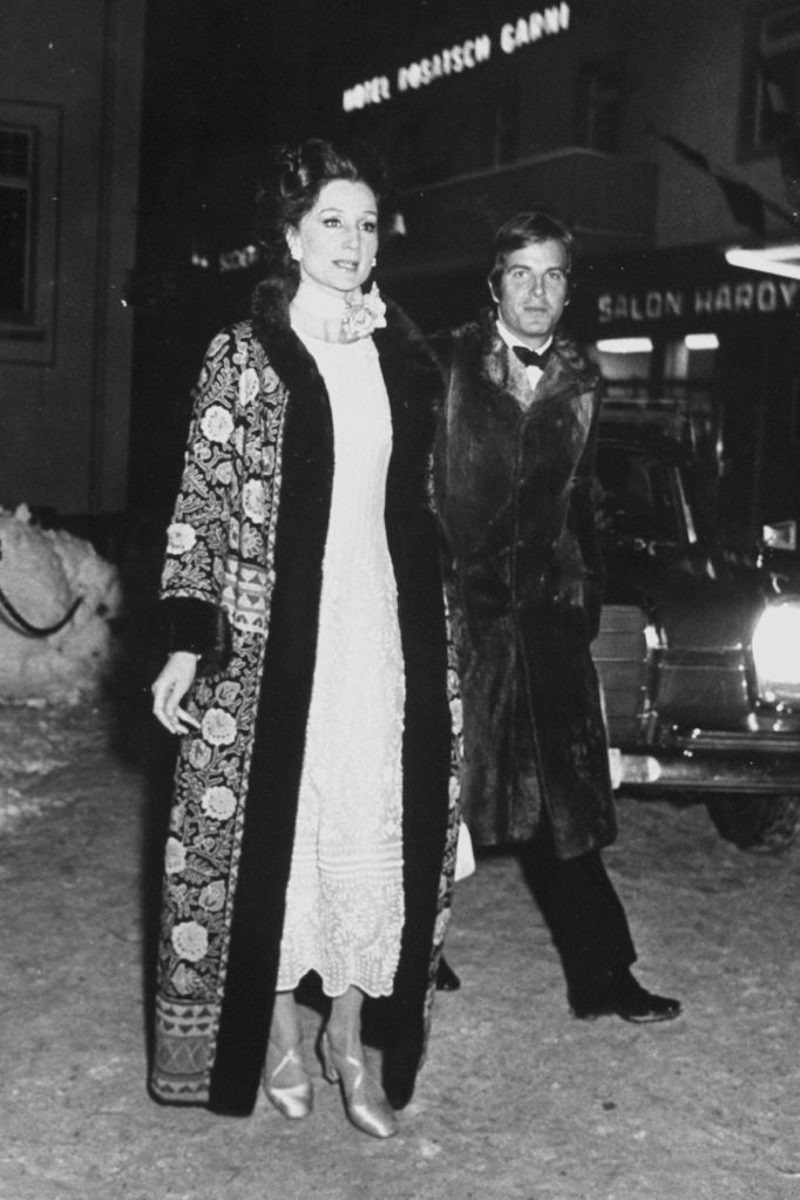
x: 296, y: 173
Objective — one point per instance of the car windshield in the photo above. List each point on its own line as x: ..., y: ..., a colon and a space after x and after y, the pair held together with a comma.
x: 639, y: 497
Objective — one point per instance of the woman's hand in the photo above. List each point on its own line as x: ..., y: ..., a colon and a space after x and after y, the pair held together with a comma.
x: 169, y: 689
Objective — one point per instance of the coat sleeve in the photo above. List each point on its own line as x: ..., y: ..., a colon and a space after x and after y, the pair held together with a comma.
x: 191, y: 614
x: 585, y: 525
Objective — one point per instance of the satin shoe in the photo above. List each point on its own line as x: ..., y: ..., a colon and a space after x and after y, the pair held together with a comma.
x: 286, y: 1084
x: 364, y: 1102
x: 618, y: 992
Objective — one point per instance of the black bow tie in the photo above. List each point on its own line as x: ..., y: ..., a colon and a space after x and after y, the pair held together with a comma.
x: 532, y: 358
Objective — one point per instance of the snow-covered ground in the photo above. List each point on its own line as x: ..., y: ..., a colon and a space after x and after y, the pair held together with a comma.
x: 517, y: 1101
x: 50, y: 686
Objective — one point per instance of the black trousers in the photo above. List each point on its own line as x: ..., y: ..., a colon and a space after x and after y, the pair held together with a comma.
x: 583, y: 911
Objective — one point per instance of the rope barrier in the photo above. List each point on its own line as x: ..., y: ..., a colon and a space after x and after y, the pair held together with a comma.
x: 7, y: 609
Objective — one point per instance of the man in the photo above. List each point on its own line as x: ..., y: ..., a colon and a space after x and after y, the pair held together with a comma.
x: 514, y: 470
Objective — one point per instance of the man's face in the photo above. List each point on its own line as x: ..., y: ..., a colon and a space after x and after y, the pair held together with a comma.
x: 532, y: 291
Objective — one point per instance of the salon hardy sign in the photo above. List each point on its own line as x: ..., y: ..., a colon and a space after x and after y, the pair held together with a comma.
x: 450, y: 61
x: 748, y: 297
x: 678, y: 290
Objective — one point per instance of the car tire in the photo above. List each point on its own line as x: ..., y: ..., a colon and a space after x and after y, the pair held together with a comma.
x: 758, y: 823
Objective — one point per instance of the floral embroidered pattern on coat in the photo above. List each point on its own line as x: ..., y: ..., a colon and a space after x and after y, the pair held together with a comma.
x: 221, y: 537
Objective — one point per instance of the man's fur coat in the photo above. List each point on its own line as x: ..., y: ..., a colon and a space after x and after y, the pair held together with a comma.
x: 514, y: 471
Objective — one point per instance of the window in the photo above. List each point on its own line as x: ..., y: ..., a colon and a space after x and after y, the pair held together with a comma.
x: 771, y: 85
x: 29, y: 155
x: 599, y: 99
x: 16, y: 195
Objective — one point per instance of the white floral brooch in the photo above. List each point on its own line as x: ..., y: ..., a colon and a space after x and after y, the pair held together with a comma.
x: 362, y: 315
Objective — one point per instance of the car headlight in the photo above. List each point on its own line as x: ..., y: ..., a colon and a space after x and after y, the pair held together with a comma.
x: 776, y: 652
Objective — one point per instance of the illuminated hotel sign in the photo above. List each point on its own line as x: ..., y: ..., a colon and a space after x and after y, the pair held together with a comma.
x: 464, y: 56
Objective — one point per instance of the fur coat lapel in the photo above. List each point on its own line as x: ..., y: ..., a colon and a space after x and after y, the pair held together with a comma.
x: 568, y: 374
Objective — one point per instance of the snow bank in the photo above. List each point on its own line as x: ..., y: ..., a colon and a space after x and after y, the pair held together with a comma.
x: 42, y: 573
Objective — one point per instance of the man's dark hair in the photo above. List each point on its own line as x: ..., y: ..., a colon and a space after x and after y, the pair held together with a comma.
x: 523, y: 230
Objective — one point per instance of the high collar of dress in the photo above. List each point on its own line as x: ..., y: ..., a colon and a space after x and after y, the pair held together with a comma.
x: 317, y: 312
x: 337, y: 318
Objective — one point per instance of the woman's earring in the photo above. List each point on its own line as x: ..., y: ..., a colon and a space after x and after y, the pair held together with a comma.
x: 374, y: 263
x: 295, y: 247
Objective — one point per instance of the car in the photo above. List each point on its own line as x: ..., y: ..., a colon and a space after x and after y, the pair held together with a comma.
x: 698, y: 652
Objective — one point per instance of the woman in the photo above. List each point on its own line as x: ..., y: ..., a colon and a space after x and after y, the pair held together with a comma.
x: 311, y: 818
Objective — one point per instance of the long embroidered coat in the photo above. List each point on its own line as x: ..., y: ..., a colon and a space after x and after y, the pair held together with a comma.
x: 513, y: 479
x: 244, y: 563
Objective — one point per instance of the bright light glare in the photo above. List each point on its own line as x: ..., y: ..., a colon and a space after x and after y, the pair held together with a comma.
x: 701, y: 341
x: 781, y: 252
x: 776, y: 652
x: 651, y: 637
x: 632, y: 345
x: 773, y: 260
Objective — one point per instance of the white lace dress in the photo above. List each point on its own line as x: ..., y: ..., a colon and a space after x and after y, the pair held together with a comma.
x: 344, y: 907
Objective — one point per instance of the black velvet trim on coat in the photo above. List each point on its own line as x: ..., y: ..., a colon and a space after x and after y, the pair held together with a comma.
x: 279, y: 738
x: 186, y: 623
x: 414, y: 384
x: 278, y: 750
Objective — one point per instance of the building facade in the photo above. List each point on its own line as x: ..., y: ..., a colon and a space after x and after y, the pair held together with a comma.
x: 664, y: 134
x: 69, y: 156
x: 654, y: 127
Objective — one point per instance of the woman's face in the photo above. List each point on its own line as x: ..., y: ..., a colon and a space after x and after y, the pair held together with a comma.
x: 336, y: 241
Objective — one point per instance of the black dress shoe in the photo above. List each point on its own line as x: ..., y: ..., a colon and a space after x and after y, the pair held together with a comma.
x: 619, y: 993
x: 446, y: 978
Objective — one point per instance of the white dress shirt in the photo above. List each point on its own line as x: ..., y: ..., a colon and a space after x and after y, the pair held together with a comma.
x: 534, y: 373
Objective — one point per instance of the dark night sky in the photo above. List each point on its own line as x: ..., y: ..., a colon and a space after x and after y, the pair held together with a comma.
x: 226, y: 78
